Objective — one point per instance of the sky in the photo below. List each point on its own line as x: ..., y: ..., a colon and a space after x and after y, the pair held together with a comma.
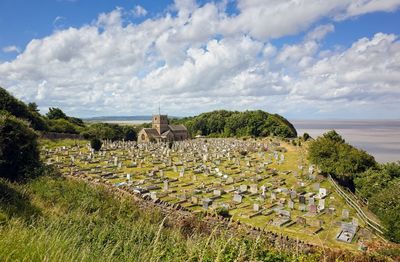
x: 303, y: 59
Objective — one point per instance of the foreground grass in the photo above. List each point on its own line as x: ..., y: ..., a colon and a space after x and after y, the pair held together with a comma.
x: 54, y: 219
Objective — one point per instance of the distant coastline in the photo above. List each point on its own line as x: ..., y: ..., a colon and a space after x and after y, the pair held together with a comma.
x: 380, y: 138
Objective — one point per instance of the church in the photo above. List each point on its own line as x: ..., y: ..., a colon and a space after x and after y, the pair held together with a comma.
x: 162, y: 131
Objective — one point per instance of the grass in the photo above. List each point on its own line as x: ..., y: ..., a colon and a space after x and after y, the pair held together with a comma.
x: 55, y: 219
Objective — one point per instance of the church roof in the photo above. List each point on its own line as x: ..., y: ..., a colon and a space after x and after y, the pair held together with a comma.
x: 166, y: 133
x: 151, y: 132
x: 177, y: 128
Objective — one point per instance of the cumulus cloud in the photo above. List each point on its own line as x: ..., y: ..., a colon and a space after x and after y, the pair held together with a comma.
x: 11, y: 49
x: 113, y: 67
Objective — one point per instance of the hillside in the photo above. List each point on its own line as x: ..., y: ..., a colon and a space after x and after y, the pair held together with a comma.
x: 58, y: 219
x: 223, y: 123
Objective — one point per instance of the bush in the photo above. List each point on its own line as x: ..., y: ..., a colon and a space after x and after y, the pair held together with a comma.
x: 96, y: 144
x: 63, y: 126
x: 19, y: 153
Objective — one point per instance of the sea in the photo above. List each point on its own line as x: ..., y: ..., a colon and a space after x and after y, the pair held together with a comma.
x: 380, y: 138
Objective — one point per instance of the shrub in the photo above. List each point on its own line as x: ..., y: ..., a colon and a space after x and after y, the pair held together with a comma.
x: 96, y: 144
x: 19, y: 153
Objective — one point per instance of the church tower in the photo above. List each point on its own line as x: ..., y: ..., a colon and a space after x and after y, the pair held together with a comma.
x: 160, y: 122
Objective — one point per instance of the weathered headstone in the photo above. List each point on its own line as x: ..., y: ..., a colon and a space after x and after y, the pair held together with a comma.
x: 253, y: 188
x: 237, y: 198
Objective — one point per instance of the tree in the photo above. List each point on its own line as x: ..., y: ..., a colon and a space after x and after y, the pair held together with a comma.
x: 129, y: 133
x: 56, y: 113
x: 33, y: 107
x: 334, y: 156
x: 386, y: 204
x: 306, y: 136
x: 18, y: 109
x: 19, y: 153
x: 96, y: 144
x: 63, y: 126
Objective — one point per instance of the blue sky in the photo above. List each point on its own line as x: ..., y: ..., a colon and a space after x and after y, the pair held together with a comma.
x: 303, y: 60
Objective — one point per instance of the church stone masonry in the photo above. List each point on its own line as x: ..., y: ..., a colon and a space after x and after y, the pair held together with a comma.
x: 162, y: 131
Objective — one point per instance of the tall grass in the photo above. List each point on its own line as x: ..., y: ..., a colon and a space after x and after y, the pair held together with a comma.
x: 54, y: 219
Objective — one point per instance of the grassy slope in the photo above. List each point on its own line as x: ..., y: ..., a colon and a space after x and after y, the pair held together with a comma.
x: 54, y: 219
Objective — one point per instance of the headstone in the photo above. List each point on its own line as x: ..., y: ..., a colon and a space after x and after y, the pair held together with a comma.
x: 243, y: 188
x: 312, y: 209
x: 217, y: 192
x: 291, y: 204
x: 263, y: 188
x: 195, y: 200
x: 253, y: 189
x: 237, y: 198
x: 284, y: 213
x: 166, y: 185
x: 302, y: 199
x: 311, y: 201
x: 322, y: 192
x: 293, y: 194
x: 256, y: 207
x: 229, y: 180
x: 345, y: 213
x: 153, y: 195
x: 207, y: 203
x: 316, y: 186
x: 321, y: 205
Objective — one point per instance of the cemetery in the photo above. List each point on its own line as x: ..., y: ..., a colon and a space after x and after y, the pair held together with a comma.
x: 264, y: 183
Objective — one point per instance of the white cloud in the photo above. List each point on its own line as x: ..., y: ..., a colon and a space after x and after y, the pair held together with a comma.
x: 203, y: 59
x: 139, y: 11
x: 11, y: 49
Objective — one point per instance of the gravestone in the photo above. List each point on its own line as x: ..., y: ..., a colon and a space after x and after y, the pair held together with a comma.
x: 312, y: 209
x: 243, y: 188
x: 166, y: 185
x: 291, y: 204
x: 302, y: 207
x: 256, y: 207
x: 153, y: 195
x: 217, y: 192
x: 302, y: 199
x: 321, y: 205
x: 207, y: 203
x: 345, y: 213
x: 322, y: 192
x: 253, y: 189
x: 237, y: 198
x: 194, y: 200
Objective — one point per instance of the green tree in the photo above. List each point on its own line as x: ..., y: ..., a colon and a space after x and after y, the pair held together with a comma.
x: 19, y: 154
x: 386, y: 204
x: 33, y: 107
x: 334, y: 156
x: 306, y: 136
x: 56, y: 113
x: 18, y: 109
x: 63, y: 126
x: 96, y: 144
x: 130, y: 133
